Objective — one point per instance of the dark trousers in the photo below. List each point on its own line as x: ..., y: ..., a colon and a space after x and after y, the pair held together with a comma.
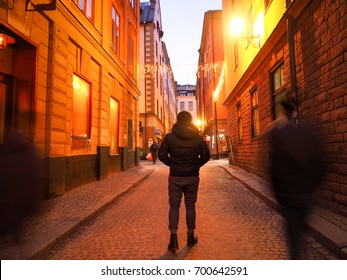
x: 154, y: 156
x: 189, y: 187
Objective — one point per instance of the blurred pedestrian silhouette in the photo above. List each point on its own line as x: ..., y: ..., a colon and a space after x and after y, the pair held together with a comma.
x: 185, y: 151
x: 20, y: 182
x: 296, y: 171
x: 154, y: 151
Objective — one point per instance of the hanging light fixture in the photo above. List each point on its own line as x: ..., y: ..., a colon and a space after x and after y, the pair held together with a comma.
x: 5, y: 40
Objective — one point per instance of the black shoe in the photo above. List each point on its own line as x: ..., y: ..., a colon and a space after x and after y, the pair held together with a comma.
x: 173, y: 245
x: 192, y: 240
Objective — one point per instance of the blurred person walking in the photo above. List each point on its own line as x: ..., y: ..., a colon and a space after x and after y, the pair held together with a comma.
x: 184, y: 151
x: 154, y: 151
x: 21, y: 176
x: 296, y: 171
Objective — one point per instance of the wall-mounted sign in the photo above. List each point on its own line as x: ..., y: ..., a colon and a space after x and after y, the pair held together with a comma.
x: 40, y: 5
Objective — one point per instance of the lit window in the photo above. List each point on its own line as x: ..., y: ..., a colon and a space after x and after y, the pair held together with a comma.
x: 255, y: 113
x: 115, y: 31
x: 81, y: 108
x: 86, y: 6
x: 114, y: 126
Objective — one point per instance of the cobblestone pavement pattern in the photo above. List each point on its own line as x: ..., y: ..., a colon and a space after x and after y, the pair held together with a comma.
x: 232, y: 223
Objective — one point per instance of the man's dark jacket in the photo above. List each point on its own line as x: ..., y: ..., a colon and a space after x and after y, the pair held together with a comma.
x: 184, y: 150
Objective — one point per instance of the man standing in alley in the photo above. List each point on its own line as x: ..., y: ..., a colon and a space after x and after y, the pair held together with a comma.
x: 184, y: 151
x: 296, y: 171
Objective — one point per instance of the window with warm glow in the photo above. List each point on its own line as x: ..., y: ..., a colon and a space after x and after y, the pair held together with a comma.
x: 87, y: 7
x: 255, y: 113
x: 114, y: 126
x: 81, y: 108
x: 115, y: 30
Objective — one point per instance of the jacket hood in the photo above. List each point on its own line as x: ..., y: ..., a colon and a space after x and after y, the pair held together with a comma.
x: 185, y: 130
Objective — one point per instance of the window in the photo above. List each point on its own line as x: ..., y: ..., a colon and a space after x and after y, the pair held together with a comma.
x: 190, y: 105
x: 267, y: 4
x: 157, y: 74
x: 236, y: 54
x: 114, y: 126
x: 132, y: 2
x: 115, y: 31
x: 81, y: 108
x: 255, y: 113
x: 182, y: 106
x: 131, y: 65
x: 250, y: 25
x: 278, y: 87
x: 86, y: 6
x: 239, y: 121
x: 278, y: 77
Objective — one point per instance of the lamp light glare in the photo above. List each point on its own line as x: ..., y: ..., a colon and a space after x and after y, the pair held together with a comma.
x: 236, y: 26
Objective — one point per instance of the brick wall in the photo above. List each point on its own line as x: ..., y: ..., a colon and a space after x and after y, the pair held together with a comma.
x: 321, y: 45
x: 320, y: 50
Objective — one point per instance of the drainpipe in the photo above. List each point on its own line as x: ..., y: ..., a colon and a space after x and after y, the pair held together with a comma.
x: 214, y: 88
x: 145, y: 63
x: 292, y: 65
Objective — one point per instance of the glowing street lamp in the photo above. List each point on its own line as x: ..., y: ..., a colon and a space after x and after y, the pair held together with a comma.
x: 237, y: 29
x: 5, y: 40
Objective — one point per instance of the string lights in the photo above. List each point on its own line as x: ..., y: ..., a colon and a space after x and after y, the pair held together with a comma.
x: 219, y: 85
x: 202, y: 69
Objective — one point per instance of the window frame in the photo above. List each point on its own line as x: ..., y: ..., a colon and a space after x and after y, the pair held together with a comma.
x: 114, y: 124
x: 190, y: 106
x: 115, y: 40
x: 83, y: 5
x: 255, y: 121
x: 277, y: 91
x: 76, y: 111
x: 239, y: 121
x: 182, y: 108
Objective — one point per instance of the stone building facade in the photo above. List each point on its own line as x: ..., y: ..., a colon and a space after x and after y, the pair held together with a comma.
x: 210, y: 90
x: 72, y: 73
x: 158, y: 101
x: 301, y: 56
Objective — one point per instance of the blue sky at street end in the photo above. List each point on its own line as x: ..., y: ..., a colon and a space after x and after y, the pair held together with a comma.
x: 182, y: 22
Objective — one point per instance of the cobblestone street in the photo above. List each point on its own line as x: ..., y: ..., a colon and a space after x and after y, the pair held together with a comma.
x: 232, y: 223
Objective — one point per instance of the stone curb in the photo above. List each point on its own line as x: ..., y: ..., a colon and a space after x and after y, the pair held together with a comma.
x: 41, y: 244
x: 333, y: 237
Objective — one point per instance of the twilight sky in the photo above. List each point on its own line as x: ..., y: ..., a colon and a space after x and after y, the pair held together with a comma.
x: 182, y: 22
